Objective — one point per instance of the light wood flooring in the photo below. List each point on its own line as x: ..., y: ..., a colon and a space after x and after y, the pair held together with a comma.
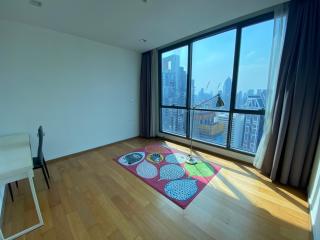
x: 92, y: 197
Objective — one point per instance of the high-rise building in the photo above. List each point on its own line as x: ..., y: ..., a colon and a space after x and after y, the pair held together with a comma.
x: 210, y: 127
x: 253, y: 124
x: 253, y: 129
x: 254, y: 102
x: 174, y: 80
x: 173, y: 120
x: 226, y: 92
x: 223, y: 119
x: 237, y: 131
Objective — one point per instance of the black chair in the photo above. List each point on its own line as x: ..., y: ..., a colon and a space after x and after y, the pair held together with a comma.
x: 10, y: 190
x: 39, y: 161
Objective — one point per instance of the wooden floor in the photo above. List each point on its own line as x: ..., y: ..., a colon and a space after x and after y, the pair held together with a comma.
x: 92, y: 197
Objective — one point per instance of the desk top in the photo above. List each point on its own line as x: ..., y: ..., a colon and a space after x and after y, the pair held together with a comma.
x: 15, y: 155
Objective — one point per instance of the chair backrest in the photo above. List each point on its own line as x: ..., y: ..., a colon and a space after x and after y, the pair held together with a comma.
x: 40, y: 136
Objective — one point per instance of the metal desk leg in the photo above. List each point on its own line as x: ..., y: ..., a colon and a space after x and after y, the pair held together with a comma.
x: 35, y: 199
x: 36, y: 203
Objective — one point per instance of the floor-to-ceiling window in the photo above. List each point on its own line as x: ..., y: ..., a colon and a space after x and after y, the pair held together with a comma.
x: 174, y: 84
x: 232, y: 62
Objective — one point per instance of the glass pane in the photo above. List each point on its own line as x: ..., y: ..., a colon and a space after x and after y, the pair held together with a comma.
x: 174, y: 121
x: 246, y: 132
x: 174, y: 77
x: 255, y: 51
x: 210, y: 127
x: 212, y: 68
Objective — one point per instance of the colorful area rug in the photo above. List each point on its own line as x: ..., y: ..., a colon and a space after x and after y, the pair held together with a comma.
x: 165, y: 169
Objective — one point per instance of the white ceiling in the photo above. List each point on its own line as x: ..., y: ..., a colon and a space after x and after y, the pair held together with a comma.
x: 124, y: 22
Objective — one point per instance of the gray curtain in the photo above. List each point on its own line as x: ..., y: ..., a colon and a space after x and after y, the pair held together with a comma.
x: 145, y: 94
x: 154, y: 95
x: 296, y: 118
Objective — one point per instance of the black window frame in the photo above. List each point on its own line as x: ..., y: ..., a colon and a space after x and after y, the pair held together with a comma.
x: 232, y: 110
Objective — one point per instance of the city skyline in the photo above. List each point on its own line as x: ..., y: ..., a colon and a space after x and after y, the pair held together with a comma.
x: 210, y: 126
x: 212, y: 73
x: 217, y: 52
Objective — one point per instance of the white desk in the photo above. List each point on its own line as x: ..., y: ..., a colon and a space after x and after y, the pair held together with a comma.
x: 16, y: 164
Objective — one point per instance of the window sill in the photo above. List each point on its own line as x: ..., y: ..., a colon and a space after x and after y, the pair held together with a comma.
x: 210, y: 148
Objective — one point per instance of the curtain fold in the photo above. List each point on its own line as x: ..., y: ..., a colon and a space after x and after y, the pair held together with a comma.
x: 296, y: 118
x: 145, y: 94
x: 279, y: 29
x: 154, y: 95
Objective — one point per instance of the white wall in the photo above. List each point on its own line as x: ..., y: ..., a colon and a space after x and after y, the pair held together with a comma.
x: 85, y: 94
x: 314, y: 195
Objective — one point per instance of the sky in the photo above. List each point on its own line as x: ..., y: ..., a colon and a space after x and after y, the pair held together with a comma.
x: 213, y: 58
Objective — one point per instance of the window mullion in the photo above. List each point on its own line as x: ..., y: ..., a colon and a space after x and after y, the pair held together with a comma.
x: 189, y: 76
x: 234, y: 83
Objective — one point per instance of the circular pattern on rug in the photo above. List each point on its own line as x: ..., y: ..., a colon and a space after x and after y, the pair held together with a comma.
x: 155, y: 157
x: 176, y: 158
x: 132, y: 158
x: 146, y: 170
x: 182, y: 189
x: 171, y: 171
x: 156, y: 148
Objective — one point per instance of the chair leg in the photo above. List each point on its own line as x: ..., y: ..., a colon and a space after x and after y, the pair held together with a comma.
x: 11, y: 193
x: 45, y: 165
x: 45, y: 176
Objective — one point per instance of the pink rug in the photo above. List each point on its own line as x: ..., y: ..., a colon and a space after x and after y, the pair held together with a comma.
x: 165, y: 169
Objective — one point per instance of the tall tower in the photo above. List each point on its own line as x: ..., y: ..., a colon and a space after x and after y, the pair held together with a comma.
x: 226, y: 92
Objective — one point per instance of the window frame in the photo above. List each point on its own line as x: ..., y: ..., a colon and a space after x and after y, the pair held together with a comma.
x: 232, y: 110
